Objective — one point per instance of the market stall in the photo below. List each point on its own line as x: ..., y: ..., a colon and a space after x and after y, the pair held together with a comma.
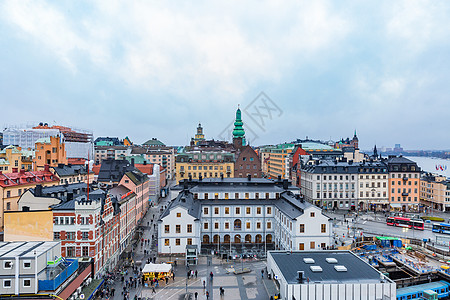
x: 158, y: 271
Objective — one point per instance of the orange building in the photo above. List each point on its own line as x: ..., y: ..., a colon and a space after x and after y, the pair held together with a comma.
x: 49, y: 151
x: 404, y: 184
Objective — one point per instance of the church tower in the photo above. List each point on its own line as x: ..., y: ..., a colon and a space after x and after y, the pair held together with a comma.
x: 238, y: 131
x: 199, y: 136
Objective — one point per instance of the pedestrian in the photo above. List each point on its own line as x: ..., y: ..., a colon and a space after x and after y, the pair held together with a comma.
x: 167, y: 280
x: 113, y: 290
x: 262, y: 273
x: 211, y: 275
x: 188, y: 274
x: 207, y: 295
x: 195, y: 295
x: 204, y: 284
x: 196, y: 273
x: 173, y: 276
x: 153, y: 290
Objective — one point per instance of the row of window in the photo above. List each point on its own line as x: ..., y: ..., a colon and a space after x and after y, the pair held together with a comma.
x: 7, y: 283
x: 237, y: 210
x: 404, y: 182
x: 403, y: 198
x: 330, y: 186
x: 341, y: 195
x: 8, y: 264
x: 71, y: 235
x: 335, y: 177
x: 236, y: 195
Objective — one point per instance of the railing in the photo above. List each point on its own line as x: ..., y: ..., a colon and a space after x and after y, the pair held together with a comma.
x: 52, y: 284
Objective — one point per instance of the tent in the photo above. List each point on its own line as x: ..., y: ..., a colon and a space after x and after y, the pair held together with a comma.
x: 158, y: 271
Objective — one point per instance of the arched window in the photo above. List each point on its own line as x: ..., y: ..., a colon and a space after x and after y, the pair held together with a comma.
x: 226, y: 238
x: 237, y: 238
x: 206, y: 239
x: 258, y: 238
x: 269, y: 238
x: 248, y: 238
x: 237, y: 224
x: 216, y: 239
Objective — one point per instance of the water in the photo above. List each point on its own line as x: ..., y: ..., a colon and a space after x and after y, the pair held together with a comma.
x: 433, y: 165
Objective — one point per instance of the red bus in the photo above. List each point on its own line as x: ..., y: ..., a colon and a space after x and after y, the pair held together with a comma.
x: 405, y: 222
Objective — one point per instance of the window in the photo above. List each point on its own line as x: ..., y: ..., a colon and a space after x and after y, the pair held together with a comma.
x: 189, y: 228
x: 177, y: 242
x: 302, y: 228
x: 247, y: 195
x: 301, y: 246
x: 238, y: 210
x: 205, y: 210
x: 70, y: 251
x: 227, y: 225
x: 236, y: 195
x: 26, y: 283
x: 269, y: 210
x: 8, y: 205
x: 56, y: 236
x: 85, y: 235
x: 323, y: 228
x: 189, y: 241
x: 256, y: 195
x: 70, y: 235
x: 178, y: 215
x: 247, y: 225
x: 267, y: 195
x: 323, y: 245
x: 166, y: 242
x: 227, y: 210
x: 27, y: 264
x: 177, y: 228
x: 205, y: 226
x: 269, y: 225
x: 258, y: 210
x: 6, y: 283
x: 7, y: 264
x: 216, y: 225
x: 258, y: 225
x: 248, y: 210
x: 226, y: 195
x: 166, y: 228
x: 312, y: 245
x: 216, y: 210
x: 206, y: 194
x: 85, y: 251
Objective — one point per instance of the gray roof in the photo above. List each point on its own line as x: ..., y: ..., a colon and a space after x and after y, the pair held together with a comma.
x: 113, y: 170
x: 358, y: 271
x: 24, y: 249
x: 184, y: 199
x: 69, y: 170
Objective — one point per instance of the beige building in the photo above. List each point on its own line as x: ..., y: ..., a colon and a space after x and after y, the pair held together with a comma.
x: 435, y: 192
x: 275, y: 160
x: 15, y: 157
x: 106, y: 152
x: 205, y: 164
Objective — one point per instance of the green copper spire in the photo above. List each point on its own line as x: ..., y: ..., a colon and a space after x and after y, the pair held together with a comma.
x: 238, y: 131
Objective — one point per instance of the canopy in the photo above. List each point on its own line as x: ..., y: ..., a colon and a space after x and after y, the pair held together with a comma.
x: 390, y: 238
x: 157, y: 268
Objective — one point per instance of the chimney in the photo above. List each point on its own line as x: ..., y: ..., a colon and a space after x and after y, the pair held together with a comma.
x: 1, y: 172
x: 69, y: 196
x: 285, y: 184
x: 46, y: 168
x: 145, y: 162
x: 38, y: 190
x: 300, y: 276
x: 279, y: 178
x: 15, y: 170
x: 249, y: 177
x: 61, y: 166
x: 22, y: 171
x: 185, y: 185
x: 132, y: 162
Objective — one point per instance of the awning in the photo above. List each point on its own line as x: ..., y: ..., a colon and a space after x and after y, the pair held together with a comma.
x: 397, y: 204
x: 158, y: 268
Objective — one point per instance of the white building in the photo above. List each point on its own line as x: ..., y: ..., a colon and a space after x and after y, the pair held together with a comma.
x: 337, y: 275
x: 219, y: 213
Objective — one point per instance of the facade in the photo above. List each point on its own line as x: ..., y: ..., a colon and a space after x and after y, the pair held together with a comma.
x: 138, y: 183
x: 112, y: 170
x: 435, y: 191
x: 117, y: 152
x: 107, y: 141
x: 373, y: 186
x: 13, y: 185
x: 235, y: 213
x: 164, y: 157
x: 317, y: 275
x: 404, y: 184
x: 205, y: 164
x: 15, y: 157
x: 277, y: 160
x: 153, y: 143
x: 247, y: 163
x: 49, y: 151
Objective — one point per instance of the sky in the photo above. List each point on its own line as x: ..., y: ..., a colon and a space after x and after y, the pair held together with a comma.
x: 297, y: 69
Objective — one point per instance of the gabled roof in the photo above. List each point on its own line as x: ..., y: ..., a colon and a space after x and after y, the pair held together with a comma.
x: 69, y: 170
x: 22, y: 178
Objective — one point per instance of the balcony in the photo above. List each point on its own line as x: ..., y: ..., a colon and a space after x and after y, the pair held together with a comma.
x: 57, y: 274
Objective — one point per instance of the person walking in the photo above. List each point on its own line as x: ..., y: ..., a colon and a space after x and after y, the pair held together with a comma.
x: 195, y: 295
x: 207, y: 295
x: 153, y: 290
x: 196, y: 273
x: 262, y: 274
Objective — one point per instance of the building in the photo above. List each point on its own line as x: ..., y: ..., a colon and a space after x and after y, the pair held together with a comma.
x: 435, y: 191
x: 330, y: 184
x: 138, y: 183
x: 13, y: 185
x: 352, y: 143
x: 404, y: 183
x: 204, y: 163
x: 117, y: 152
x: 153, y: 143
x: 69, y: 173
x: 14, y: 157
x: 224, y: 213
x: 199, y: 136
x: 107, y: 141
x: 49, y: 151
x: 317, y: 275
x: 78, y: 142
x: 373, y: 186
x: 277, y: 160
x: 112, y: 170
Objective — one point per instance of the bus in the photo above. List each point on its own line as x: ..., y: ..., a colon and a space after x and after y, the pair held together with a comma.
x: 441, y: 228
x: 405, y: 222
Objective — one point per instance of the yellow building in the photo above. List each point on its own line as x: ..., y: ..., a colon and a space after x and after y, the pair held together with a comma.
x: 434, y: 192
x: 13, y: 185
x: 205, y: 164
x: 15, y: 157
x: 275, y: 160
x: 49, y: 151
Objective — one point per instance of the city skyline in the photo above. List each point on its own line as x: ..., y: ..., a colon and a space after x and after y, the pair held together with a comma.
x: 146, y: 70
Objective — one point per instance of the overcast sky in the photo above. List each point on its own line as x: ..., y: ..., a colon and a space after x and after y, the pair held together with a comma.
x: 149, y: 69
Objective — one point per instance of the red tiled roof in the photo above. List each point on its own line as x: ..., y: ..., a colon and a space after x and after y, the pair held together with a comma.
x: 96, y: 169
x: 146, y: 169
x: 22, y: 177
x: 76, y: 161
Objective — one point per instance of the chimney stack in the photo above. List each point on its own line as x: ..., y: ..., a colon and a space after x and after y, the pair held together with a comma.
x: 132, y: 162
x: 46, y: 168
x: 300, y: 276
x: 15, y: 170
x: 249, y: 177
x: 285, y: 184
x: 38, y: 190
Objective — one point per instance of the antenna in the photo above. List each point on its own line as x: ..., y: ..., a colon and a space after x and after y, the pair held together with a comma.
x: 88, y: 165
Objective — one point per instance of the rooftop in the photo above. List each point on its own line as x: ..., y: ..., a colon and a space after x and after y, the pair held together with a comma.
x: 355, y: 271
x: 24, y: 249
